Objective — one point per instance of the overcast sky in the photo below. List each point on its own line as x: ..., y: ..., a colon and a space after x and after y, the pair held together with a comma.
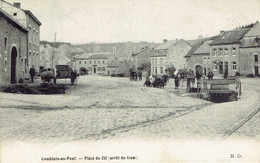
x: 82, y: 21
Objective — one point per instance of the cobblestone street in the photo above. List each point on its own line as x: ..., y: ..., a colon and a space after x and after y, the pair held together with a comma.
x: 114, y: 108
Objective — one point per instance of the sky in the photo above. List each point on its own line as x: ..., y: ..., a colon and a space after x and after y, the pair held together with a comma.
x: 105, y: 21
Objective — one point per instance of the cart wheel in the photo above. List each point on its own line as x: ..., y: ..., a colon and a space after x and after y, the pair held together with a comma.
x: 232, y: 97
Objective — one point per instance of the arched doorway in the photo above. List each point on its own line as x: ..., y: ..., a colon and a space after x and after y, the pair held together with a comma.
x: 199, y: 70
x: 13, y: 65
x: 83, y: 71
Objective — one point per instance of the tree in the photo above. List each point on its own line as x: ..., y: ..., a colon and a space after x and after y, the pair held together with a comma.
x: 171, y: 69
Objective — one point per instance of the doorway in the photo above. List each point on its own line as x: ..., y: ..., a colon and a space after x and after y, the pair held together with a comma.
x: 226, y: 69
x: 95, y: 70
x: 198, y: 69
x: 256, y: 70
x: 13, y: 65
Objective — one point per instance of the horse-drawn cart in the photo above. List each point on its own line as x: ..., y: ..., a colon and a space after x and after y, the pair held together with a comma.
x: 220, y: 90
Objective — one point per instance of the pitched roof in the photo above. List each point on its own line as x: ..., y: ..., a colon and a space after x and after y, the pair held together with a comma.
x: 255, y: 31
x: 193, y: 49
x: 230, y: 37
x: 98, y: 56
x: 193, y: 42
x: 141, y: 50
x: 34, y: 17
x: 129, y: 62
x: 117, y: 62
x: 250, y: 42
x: 166, y: 45
x: 204, y: 48
x: 101, y: 55
x: 10, y: 18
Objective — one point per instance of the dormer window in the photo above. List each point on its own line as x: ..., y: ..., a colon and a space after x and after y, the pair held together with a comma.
x: 15, y: 14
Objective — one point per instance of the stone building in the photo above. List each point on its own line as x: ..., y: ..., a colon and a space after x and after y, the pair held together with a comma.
x: 159, y: 64
x: 141, y: 59
x: 93, y: 63
x: 13, y: 49
x: 224, y: 52
x: 119, y: 66
x: 169, y: 53
x: 250, y: 52
x: 28, y: 21
x: 198, y: 58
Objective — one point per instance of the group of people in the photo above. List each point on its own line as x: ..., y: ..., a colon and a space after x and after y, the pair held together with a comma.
x: 191, y: 77
x: 136, y: 75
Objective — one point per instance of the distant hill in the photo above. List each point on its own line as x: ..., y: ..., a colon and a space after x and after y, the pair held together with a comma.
x: 64, y: 51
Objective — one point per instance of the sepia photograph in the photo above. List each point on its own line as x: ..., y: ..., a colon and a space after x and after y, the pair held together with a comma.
x: 129, y: 81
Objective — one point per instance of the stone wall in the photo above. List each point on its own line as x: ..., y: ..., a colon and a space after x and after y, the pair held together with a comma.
x: 16, y: 38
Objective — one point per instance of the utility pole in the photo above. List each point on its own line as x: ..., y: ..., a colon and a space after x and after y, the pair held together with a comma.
x: 53, y: 51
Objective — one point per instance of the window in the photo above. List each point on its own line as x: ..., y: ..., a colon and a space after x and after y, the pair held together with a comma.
x: 214, y: 66
x: 155, y: 70
x: 155, y: 60
x: 89, y: 62
x: 214, y: 52
x: 233, y: 51
x: 98, y: 68
x: 90, y: 68
x: 226, y: 52
x: 104, y: 69
x: 234, y: 66
x: 5, y: 43
x: 94, y: 62
x: 25, y: 66
x: 98, y: 62
x: 220, y: 67
x: 104, y: 63
x: 85, y: 62
x: 161, y: 70
x: 161, y: 60
x: 220, y: 51
x: 256, y: 57
x: 79, y: 62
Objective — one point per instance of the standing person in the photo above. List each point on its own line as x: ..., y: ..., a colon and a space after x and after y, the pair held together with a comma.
x: 140, y: 75
x: 198, y: 77
x: 32, y: 72
x: 210, y: 75
x: 73, y: 77
x: 189, y: 78
x: 225, y: 74
x: 176, y: 81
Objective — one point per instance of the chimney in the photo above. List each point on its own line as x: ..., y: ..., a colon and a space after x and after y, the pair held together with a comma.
x: 222, y: 31
x: 17, y: 4
x: 165, y: 40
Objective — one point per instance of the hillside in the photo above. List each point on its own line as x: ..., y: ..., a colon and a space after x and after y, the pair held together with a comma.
x: 64, y: 51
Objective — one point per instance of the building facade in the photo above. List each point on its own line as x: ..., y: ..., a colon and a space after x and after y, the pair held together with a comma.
x: 224, y: 52
x: 250, y: 52
x: 198, y: 58
x: 93, y: 63
x: 172, y: 53
x: 141, y: 59
x: 13, y: 49
x: 119, y: 66
x: 159, y: 64
x: 28, y: 21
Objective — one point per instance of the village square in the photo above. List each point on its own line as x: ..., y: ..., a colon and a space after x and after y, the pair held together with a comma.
x: 202, y: 89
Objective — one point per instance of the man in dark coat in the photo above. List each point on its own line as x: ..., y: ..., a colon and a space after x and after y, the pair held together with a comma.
x: 32, y: 72
x: 73, y: 77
